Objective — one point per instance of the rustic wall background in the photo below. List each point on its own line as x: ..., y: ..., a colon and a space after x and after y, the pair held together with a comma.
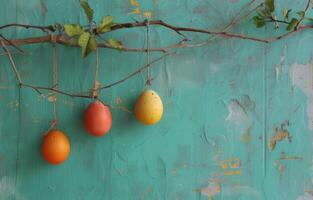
x: 221, y: 104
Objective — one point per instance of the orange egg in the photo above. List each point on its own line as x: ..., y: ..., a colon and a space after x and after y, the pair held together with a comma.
x: 55, y: 147
x: 97, y: 119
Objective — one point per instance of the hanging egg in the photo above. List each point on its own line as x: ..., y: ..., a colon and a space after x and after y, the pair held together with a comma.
x: 97, y: 119
x: 149, y: 108
x: 55, y: 147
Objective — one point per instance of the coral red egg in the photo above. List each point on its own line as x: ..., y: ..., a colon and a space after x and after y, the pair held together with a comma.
x: 97, y: 119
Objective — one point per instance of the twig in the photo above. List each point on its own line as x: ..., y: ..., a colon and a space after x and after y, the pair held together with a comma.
x: 61, y: 40
x: 136, y: 72
x: 38, y: 88
x: 17, y: 74
x: 236, y: 18
x: 28, y: 26
x: 88, y: 96
x: 64, y: 40
x: 9, y: 42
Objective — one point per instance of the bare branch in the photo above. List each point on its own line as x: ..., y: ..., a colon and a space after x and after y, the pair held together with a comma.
x: 28, y: 26
x: 17, y: 74
x: 136, y: 72
x: 38, y: 89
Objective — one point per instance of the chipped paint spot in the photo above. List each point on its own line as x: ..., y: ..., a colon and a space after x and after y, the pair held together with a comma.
x: 281, y: 167
x: 213, y: 189
x: 302, y: 77
x: 237, y: 113
x: 136, y: 4
x: 305, y: 196
x: 8, y: 189
x: 283, y: 156
x: 246, y: 137
x: 52, y: 98
x: 147, y: 14
x: 13, y: 105
x: 234, y: 164
x: 279, y: 135
x: 137, y: 10
x: 239, y: 117
x: 224, y: 165
x: 118, y: 100
x: 279, y: 67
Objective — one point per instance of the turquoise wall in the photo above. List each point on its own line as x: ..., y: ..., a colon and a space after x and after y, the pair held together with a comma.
x: 222, y: 103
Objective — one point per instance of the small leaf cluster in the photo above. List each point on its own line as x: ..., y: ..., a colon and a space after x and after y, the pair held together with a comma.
x: 265, y: 15
x: 87, y: 36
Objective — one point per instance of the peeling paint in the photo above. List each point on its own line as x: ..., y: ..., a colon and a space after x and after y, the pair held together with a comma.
x: 305, y: 196
x: 283, y: 156
x: 231, y: 166
x: 302, y: 77
x: 281, y: 167
x: 137, y: 9
x: 279, y: 135
x: 52, y: 98
x: 213, y: 189
x: 8, y: 190
x: 240, y: 114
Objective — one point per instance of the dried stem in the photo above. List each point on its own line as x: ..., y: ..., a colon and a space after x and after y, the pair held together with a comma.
x: 86, y: 94
x: 148, y: 65
x: 17, y: 74
x: 64, y: 40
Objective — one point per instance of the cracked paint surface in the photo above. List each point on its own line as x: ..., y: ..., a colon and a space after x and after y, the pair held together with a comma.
x: 221, y: 103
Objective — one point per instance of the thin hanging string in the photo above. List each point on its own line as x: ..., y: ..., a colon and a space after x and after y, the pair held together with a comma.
x: 54, y: 79
x: 148, y: 53
x: 96, y: 83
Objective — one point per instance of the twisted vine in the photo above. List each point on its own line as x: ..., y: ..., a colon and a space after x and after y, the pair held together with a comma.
x: 89, y: 38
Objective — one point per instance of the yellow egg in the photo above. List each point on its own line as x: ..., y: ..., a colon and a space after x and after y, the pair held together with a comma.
x: 149, y: 107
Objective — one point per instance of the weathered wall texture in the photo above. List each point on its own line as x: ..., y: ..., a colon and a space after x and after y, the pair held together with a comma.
x: 223, y: 103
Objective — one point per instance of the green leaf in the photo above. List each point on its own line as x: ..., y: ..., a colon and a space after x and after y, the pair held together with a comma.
x: 286, y: 14
x: 92, y: 44
x: 270, y: 5
x: 258, y: 21
x: 292, y: 24
x: 73, y: 29
x: 88, y: 11
x: 115, y: 43
x: 105, y: 24
x: 88, y: 43
x: 263, y: 13
x: 301, y: 14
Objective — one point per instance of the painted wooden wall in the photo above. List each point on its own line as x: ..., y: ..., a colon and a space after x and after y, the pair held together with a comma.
x: 222, y: 103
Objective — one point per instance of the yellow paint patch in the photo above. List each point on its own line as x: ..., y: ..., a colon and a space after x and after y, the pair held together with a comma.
x: 224, y: 165
x: 136, y: 4
x: 229, y: 173
x: 52, y: 98
x: 147, y: 14
x: 279, y: 135
x: 137, y: 10
x: 234, y: 164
